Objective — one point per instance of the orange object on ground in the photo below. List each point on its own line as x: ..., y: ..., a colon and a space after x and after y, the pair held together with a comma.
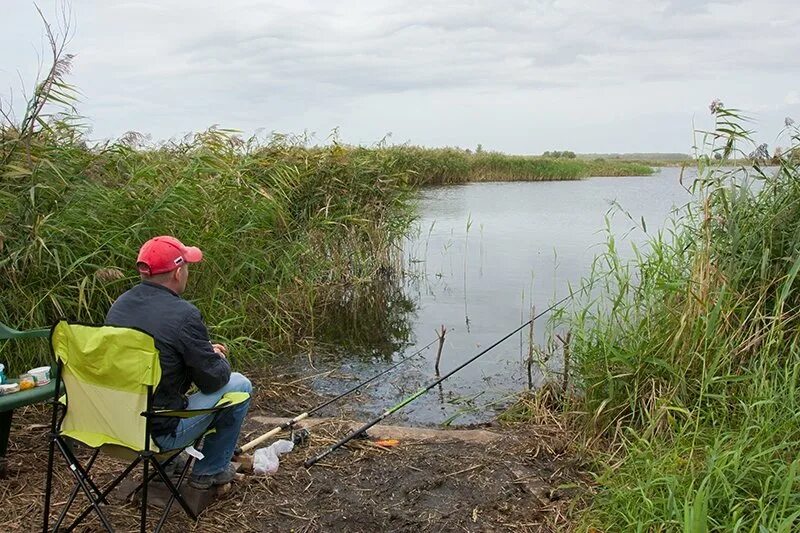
x: 386, y: 443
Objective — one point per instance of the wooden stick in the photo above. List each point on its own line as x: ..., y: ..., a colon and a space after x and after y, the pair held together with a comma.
x: 441, y: 333
x: 565, y: 382
x: 531, y: 348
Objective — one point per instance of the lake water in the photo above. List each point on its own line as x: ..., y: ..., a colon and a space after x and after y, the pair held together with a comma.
x: 480, y: 256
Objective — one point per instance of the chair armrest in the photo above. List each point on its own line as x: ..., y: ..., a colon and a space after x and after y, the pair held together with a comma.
x: 229, y: 399
x: 7, y: 333
x: 42, y: 333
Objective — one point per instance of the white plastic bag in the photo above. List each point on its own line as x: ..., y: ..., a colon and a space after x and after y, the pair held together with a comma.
x: 265, y: 460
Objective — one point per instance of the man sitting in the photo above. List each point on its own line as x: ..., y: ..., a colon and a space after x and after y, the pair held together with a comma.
x: 187, y: 356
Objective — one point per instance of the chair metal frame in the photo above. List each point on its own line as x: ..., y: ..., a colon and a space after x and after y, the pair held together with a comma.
x: 146, y: 456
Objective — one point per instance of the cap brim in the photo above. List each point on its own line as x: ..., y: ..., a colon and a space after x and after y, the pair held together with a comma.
x: 193, y: 254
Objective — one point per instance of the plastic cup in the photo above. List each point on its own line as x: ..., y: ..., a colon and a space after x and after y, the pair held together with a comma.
x: 26, y: 382
x: 41, y: 375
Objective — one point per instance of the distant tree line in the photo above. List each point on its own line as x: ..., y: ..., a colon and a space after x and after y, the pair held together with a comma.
x: 555, y: 154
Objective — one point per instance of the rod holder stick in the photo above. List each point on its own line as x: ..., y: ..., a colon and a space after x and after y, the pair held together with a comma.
x: 440, y: 334
x: 529, y: 362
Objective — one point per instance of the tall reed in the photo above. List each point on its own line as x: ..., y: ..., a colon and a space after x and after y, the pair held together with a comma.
x: 688, y: 358
x: 288, y: 233
x: 442, y: 166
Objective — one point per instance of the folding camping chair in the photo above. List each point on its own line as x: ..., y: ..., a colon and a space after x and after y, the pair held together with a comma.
x: 110, y: 374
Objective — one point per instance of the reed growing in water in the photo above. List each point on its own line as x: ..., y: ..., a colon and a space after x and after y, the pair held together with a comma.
x: 295, y: 239
x: 287, y: 233
x: 442, y: 166
x: 687, y: 360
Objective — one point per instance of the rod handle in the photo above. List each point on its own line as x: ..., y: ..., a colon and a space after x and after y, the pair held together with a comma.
x: 274, y: 431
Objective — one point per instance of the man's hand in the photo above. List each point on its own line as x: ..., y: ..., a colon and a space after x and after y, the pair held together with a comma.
x: 221, y: 349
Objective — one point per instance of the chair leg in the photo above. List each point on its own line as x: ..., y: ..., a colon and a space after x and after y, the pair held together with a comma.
x: 158, y: 471
x: 48, y: 483
x: 106, y: 492
x: 150, y: 478
x: 89, y: 480
x: 153, y: 474
x: 75, y: 490
x: 85, y: 471
x: 5, y: 431
x: 176, y: 495
x: 85, y: 486
x: 144, y: 494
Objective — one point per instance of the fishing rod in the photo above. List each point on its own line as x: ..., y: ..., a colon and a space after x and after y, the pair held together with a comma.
x: 311, y: 462
x: 289, y: 423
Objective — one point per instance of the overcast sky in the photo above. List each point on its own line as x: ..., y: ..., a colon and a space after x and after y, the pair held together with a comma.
x: 516, y: 76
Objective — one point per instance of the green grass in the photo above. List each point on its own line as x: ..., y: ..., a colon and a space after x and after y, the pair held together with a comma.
x: 290, y: 234
x: 442, y: 166
x: 654, y: 159
x: 618, y: 168
x: 688, y: 361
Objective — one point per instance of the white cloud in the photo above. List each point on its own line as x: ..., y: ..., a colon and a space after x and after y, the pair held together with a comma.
x: 515, y: 75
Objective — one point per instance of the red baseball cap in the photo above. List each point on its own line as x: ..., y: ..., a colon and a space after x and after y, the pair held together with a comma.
x: 165, y: 254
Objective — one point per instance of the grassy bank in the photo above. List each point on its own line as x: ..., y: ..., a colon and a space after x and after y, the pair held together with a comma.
x: 288, y: 234
x: 688, y: 362
x: 299, y: 240
x: 654, y: 159
x: 451, y: 166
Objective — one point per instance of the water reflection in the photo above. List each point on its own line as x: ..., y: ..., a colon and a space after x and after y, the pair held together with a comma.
x: 373, y: 321
x: 482, y: 259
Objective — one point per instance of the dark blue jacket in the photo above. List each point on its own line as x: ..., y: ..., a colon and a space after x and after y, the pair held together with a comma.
x: 181, y: 337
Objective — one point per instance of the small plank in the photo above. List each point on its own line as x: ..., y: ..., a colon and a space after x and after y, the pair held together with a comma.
x: 158, y: 494
x: 380, y: 431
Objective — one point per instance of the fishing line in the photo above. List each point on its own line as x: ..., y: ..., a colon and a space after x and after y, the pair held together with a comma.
x: 289, y: 423
x: 312, y: 461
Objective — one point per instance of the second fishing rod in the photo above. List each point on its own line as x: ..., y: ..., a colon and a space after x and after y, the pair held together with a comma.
x: 362, y: 430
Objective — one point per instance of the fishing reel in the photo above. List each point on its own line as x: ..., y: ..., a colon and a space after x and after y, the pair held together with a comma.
x: 299, y: 436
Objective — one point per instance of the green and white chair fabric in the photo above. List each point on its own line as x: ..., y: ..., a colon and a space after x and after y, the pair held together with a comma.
x: 109, y: 374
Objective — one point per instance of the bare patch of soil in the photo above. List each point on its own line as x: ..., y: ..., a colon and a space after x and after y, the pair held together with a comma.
x: 524, y: 481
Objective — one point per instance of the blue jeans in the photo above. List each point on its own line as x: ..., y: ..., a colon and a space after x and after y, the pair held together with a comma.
x: 219, y: 446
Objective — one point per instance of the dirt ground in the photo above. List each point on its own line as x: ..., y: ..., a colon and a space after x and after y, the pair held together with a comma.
x: 523, y: 481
